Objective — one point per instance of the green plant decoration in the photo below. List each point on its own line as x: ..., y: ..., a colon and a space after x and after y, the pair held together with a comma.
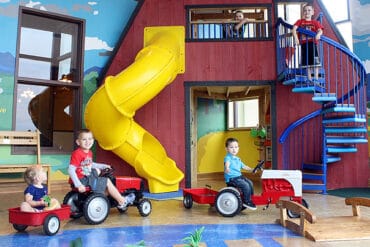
x: 194, y: 239
x: 138, y: 244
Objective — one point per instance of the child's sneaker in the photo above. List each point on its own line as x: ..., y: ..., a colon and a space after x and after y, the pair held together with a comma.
x: 250, y: 205
x: 122, y: 206
x: 130, y: 198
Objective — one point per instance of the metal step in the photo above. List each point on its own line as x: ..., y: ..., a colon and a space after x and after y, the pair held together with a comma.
x: 344, y: 129
x: 341, y: 149
x: 345, y: 139
x: 332, y: 158
x: 313, y: 166
x: 313, y: 187
x: 344, y: 119
x: 340, y: 108
x: 324, y: 97
x: 312, y: 176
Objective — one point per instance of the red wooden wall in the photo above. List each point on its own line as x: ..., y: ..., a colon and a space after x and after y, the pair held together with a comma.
x: 164, y: 116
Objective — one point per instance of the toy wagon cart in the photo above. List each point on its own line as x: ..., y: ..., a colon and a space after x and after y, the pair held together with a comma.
x: 49, y: 219
x: 199, y: 195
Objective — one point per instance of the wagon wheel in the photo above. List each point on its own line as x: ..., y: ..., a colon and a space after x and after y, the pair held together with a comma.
x: 96, y: 208
x: 70, y: 199
x: 51, y: 224
x: 188, y: 201
x: 145, y: 207
x: 294, y: 215
x: 228, y: 202
x: 20, y: 228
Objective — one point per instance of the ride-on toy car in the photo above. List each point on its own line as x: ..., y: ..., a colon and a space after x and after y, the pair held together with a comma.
x: 49, y: 219
x: 276, y: 184
x: 95, y: 206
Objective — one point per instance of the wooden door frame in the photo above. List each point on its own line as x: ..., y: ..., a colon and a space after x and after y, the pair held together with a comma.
x: 190, y: 117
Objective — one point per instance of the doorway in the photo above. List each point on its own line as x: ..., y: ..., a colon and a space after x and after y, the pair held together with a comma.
x: 207, y: 117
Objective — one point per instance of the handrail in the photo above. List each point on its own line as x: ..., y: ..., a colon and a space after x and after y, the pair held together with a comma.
x: 357, y: 63
x: 295, y: 124
x: 324, y: 38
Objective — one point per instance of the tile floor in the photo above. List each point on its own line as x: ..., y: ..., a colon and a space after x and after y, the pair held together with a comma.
x: 170, y: 222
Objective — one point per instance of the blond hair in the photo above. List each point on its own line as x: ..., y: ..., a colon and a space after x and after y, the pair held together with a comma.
x: 31, y: 173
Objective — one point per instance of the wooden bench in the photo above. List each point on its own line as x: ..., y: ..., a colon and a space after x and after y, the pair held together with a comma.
x: 329, y: 228
x: 22, y: 138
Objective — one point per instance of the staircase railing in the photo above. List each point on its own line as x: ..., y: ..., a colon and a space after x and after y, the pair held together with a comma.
x: 341, y: 83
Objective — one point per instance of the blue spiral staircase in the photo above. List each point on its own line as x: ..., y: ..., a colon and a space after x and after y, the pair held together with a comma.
x: 338, y: 126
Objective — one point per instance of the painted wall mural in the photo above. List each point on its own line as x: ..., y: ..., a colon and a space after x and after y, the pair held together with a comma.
x: 105, y: 21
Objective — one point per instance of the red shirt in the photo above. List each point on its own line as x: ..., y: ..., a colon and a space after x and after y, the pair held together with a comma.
x: 311, y: 25
x: 82, y: 161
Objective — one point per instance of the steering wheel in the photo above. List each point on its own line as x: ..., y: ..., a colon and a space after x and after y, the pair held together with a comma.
x: 106, y: 172
x: 259, y: 166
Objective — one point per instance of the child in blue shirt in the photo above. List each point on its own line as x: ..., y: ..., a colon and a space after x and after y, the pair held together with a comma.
x: 232, y: 166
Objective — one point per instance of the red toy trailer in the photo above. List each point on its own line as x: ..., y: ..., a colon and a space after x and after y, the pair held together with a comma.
x: 50, y: 219
x: 276, y: 184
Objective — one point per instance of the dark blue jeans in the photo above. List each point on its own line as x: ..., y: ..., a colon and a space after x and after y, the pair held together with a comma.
x: 245, y: 185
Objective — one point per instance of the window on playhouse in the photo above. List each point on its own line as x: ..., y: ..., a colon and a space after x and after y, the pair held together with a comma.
x: 49, y: 77
x: 217, y: 22
x: 243, y: 113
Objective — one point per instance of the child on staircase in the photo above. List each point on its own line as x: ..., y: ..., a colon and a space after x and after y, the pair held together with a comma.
x: 310, y: 56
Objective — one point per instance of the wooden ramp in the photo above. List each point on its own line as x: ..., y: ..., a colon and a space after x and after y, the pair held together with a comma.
x: 327, y: 229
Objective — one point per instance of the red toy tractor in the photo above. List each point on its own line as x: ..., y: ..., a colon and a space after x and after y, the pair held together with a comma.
x: 95, y: 206
x: 276, y: 184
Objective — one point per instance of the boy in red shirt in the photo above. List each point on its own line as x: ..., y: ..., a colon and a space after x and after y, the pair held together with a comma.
x: 84, y: 172
x: 310, y: 56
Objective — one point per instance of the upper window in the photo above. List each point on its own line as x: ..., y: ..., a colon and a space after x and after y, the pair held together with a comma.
x: 229, y: 22
x: 243, y: 113
x: 49, y: 77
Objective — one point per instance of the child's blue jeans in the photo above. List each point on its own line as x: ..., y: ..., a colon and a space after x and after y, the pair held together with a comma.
x: 245, y: 185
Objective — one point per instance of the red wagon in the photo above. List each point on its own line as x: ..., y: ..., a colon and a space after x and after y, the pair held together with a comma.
x: 199, y: 195
x: 50, y: 219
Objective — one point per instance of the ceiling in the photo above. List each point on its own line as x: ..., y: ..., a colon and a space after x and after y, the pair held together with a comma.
x: 229, y: 92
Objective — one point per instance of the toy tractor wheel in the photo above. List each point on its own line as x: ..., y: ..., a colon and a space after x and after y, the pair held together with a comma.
x: 294, y: 215
x: 145, y: 207
x: 228, y: 202
x: 20, y: 228
x: 188, y: 201
x: 96, y: 208
x: 70, y: 199
x: 51, y: 224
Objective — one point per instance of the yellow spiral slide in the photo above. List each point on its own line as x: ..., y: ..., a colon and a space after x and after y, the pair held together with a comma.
x: 110, y: 111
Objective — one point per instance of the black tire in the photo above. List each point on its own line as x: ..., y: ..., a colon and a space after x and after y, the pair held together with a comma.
x: 51, y: 224
x: 188, y: 201
x: 96, y: 208
x: 20, y: 228
x: 122, y: 210
x: 294, y: 215
x: 144, y: 207
x: 228, y: 202
x: 69, y: 199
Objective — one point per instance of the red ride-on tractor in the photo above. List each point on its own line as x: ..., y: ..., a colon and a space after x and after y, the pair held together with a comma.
x: 95, y: 206
x: 276, y: 184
